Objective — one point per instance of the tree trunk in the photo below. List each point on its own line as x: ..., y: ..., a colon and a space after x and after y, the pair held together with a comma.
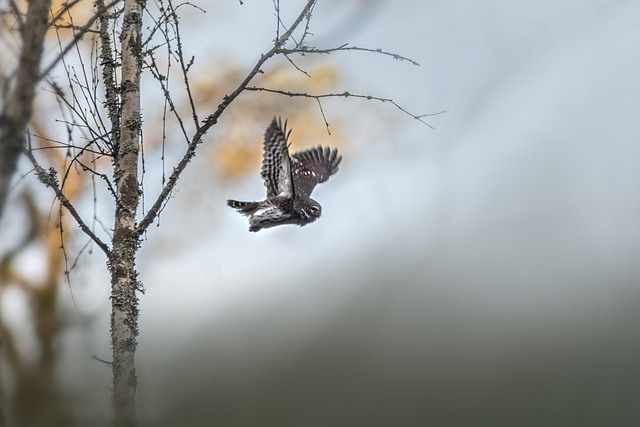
x: 18, y: 104
x: 124, y: 282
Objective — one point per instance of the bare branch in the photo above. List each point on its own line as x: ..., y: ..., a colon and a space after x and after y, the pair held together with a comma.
x: 306, y: 12
x: 296, y: 66
x: 326, y: 123
x: 63, y: 145
x: 49, y: 179
x: 418, y: 117
x: 163, y: 81
x: 306, y: 31
x: 63, y: 248
x: 15, y: 11
x: 276, y: 5
x: 106, y: 362
x: 184, y: 66
x: 302, y: 50
x: 75, y: 27
x: 66, y: 7
x: 81, y: 113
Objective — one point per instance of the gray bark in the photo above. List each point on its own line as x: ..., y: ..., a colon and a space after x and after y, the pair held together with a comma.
x: 124, y: 283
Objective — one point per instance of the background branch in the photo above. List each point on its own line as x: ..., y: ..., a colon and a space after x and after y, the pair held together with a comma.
x: 18, y: 103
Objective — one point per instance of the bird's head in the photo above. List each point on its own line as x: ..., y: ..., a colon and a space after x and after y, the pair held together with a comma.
x: 307, y: 209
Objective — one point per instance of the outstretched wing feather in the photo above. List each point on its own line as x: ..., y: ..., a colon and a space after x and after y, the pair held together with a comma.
x: 313, y: 166
x: 276, y: 164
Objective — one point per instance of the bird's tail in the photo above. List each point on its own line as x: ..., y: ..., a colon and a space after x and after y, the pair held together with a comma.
x: 246, y: 208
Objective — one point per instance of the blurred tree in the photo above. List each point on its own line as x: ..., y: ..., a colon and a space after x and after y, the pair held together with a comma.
x: 18, y: 92
x: 37, y: 399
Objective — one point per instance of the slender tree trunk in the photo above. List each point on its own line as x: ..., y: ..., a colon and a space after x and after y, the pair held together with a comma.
x: 17, y: 107
x: 124, y: 283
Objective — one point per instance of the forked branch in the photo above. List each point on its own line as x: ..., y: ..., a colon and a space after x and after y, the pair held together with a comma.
x: 49, y: 179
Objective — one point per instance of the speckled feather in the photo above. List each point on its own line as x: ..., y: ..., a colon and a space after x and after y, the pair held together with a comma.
x: 276, y: 165
x: 289, y: 181
x: 312, y: 167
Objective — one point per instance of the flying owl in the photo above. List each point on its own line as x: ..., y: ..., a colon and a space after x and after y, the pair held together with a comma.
x: 289, y: 181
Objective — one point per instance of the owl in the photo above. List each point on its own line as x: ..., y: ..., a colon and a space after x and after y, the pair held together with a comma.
x: 289, y: 181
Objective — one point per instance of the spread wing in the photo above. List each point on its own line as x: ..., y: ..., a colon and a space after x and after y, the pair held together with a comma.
x: 276, y: 165
x: 313, y: 166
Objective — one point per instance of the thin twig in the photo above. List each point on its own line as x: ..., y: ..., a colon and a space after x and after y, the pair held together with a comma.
x: 64, y: 254
x: 106, y: 362
x: 326, y: 123
x: 184, y: 66
x: 155, y: 72
x: 15, y: 11
x: 302, y: 50
x: 306, y: 31
x: 296, y: 66
x: 66, y: 7
x: 75, y: 27
x: 418, y: 117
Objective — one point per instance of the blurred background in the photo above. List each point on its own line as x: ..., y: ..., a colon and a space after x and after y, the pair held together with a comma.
x: 481, y: 273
